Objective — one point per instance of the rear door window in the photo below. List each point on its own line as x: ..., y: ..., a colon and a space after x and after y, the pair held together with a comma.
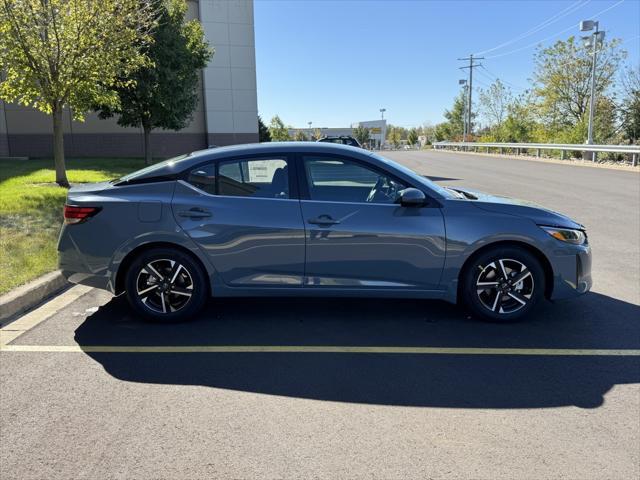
x: 260, y: 178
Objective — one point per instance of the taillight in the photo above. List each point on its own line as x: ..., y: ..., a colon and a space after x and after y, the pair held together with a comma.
x: 75, y: 214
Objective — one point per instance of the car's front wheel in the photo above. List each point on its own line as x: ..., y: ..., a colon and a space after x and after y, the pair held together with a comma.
x: 503, y: 284
x: 166, y: 285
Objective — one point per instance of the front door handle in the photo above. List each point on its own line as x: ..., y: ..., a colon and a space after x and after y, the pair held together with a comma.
x: 324, y: 221
x: 195, y: 213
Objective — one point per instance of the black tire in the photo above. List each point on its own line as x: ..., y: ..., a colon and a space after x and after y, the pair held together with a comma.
x: 169, y: 301
x: 502, y: 302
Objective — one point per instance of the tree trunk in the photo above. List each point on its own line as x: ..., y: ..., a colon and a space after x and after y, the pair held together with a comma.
x: 147, y: 144
x: 58, y: 147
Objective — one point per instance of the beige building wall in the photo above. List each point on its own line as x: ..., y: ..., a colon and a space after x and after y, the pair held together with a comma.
x: 226, y: 112
x: 230, y: 99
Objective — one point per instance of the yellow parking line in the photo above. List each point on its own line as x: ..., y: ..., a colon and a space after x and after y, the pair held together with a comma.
x: 316, y: 349
x: 25, y: 323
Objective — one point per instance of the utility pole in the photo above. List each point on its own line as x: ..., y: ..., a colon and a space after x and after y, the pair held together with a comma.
x: 471, y: 66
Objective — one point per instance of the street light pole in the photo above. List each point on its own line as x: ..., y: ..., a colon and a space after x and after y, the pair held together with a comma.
x: 593, y: 86
x: 585, y: 26
x: 383, y: 130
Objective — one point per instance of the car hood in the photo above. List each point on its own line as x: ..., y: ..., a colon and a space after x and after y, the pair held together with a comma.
x: 522, y: 208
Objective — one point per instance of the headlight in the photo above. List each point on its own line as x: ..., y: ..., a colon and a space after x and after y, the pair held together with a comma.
x: 576, y: 237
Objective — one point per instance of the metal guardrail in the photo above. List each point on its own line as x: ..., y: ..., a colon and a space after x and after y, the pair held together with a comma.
x: 633, y: 150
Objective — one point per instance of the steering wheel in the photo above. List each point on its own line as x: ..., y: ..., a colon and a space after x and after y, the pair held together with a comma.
x: 375, y: 189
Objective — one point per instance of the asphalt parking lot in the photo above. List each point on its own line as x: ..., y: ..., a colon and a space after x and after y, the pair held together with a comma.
x: 88, y: 391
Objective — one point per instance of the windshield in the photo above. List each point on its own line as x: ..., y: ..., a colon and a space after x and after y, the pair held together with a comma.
x: 151, y: 168
x: 417, y: 177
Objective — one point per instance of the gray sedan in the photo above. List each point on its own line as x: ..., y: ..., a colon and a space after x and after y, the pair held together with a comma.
x: 310, y: 219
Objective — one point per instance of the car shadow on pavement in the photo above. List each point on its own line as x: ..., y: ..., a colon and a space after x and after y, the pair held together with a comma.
x: 458, y: 381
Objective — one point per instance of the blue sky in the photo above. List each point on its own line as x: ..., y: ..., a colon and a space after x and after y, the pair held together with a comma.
x: 338, y: 62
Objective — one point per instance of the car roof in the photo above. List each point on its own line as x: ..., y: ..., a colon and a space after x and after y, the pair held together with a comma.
x: 181, y: 163
x: 177, y: 165
x: 231, y: 151
x: 267, y: 147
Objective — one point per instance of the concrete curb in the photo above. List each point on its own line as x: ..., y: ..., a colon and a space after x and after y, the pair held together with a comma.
x: 28, y: 296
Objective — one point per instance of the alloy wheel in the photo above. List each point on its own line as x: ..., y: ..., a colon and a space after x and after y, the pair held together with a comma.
x: 505, y: 286
x: 164, y: 285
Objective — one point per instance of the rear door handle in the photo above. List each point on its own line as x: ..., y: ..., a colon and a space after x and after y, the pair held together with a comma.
x: 324, y: 221
x: 195, y: 213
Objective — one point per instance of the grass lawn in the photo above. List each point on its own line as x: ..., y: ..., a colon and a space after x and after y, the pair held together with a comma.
x: 31, y: 211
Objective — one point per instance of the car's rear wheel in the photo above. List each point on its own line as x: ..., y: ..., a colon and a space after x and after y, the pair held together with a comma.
x: 503, y: 284
x: 166, y: 285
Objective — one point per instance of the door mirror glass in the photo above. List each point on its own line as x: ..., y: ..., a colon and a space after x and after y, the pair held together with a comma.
x: 411, y: 197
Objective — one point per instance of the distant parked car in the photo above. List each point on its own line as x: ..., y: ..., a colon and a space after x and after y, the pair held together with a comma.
x: 343, y: 140
x: 306, y: 218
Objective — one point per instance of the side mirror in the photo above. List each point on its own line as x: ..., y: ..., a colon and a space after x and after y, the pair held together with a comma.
x: 411, y: 197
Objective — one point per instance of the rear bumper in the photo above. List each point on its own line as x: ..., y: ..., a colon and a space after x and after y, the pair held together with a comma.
x: 81, y: 268
x: 572, y: 272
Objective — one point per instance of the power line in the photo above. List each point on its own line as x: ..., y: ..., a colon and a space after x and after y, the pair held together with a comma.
x: 552, y: 36
x: 553, y: 19
x: 497, y: 77
x: 486, y: 85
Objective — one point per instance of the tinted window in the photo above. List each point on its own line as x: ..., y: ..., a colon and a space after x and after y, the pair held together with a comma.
x: 264, y: 178
x: 341, y: 180
x: 204, y: 178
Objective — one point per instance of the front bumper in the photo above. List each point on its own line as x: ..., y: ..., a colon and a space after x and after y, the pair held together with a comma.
x: 572, y: 272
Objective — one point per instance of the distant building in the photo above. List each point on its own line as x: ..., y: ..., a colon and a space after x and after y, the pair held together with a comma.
x: 326, y: 132
x: 227, y: 112
x: 377, y: 131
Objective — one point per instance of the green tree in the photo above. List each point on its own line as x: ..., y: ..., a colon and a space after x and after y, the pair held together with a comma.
x: 519, y: 125
x: 317, y: 134
x: 361, y: 134
x: 494, y: 103
x: 165, y: 93
x: 263, y: 131
x: 630, y: 107
x: 278, y: 131
x: 453, y: 128
x: 300, y: 136
x: 412, y: 137
x: 58, y: 54
x: 429, y: 131
x: 562, y: 85
x: 455, y: 116
x: 394, y: 136
x: 401, y: 131
x: 442, y: 131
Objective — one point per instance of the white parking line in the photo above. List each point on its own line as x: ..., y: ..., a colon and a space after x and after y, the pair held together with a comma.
x: 25, y: 323
x: 317, y: 349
